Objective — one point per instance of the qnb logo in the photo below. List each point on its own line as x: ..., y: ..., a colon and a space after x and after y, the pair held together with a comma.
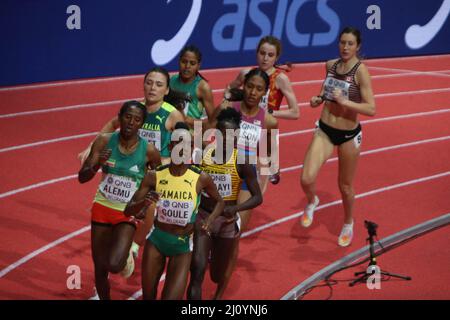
x: 163, y: 51
x: 417, y: 36
x: 286, y: 20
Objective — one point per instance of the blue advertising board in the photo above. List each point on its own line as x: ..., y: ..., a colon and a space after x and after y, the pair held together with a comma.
x: 48, y: 40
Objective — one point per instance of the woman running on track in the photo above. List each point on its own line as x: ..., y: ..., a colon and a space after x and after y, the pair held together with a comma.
x: 346, y: 92
x: 252, y: 134
x: 223, y: 241
x: 190, y: 81
x: 176, y: 188
x: 123, y: 157
x: 158, y: 125
x: 161, y: 116
x: 267, y: 54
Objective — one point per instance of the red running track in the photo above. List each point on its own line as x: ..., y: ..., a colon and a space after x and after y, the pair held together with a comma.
x: 45, y: 126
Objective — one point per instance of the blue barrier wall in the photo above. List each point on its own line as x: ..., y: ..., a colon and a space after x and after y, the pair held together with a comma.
x: 46, y: 40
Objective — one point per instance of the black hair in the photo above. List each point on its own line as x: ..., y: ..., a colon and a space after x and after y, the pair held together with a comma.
x: 130, y: 104
x: 258, y: 72
x: 229, y: 115
x: 177, y: 98
x: 159, y: 70
x: 194, y: 49
x: 353, y: 31
x: 181, y: 125
x: 198, y: 54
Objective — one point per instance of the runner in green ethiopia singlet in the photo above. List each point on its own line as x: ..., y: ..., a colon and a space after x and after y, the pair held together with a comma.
x: 154, y: 129
x: 192, y: 109
x: 122, y: 174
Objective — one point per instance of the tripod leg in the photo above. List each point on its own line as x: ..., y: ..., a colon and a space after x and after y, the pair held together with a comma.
x: 362, y: 279
x: 395, y: 275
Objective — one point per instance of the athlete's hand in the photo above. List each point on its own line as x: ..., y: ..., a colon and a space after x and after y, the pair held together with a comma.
x: 151, y: 197
x: 104, y: 156
x: 206, y: 226
x: 338, y: 96
x: 230, y: 213
x: 315, y: 101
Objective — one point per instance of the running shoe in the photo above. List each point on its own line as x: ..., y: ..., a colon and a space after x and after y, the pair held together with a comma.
x: 95, y: 296
x: 275, y: 178
x: 308, y: 215
x: 346, y: 236
x: 129, y: 267
x: 135, y: 250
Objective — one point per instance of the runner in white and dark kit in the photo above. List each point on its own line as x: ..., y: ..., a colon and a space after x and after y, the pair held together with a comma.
x: 346, y: 92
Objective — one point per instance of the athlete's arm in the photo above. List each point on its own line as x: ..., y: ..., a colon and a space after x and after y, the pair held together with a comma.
x: 282, y: 82
x: 206, y: 97
x: 367, y: 104
x: 174, y: 117
x: 206, y: 183
x: 247, y: 172
x: 143, y: 197
x: 109, y: 127
x: 318, y: 100
x: 98, y: 155
x: 153, y: 156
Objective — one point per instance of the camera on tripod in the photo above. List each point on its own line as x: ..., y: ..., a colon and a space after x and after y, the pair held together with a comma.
x: 371, y: 227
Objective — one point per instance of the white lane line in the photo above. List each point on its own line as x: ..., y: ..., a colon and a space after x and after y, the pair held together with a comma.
x: 140, y: 76
x: 137, y: 294
x: 405, y: 116
x: 398, y: 146
x: 434, y: 73
x: 39, y: 143
x: 49, y: 246
x: 36, y: 185
x: 57, y: 109
x: 35, y: 253
x: 285, y: 134
x: 405, y: 73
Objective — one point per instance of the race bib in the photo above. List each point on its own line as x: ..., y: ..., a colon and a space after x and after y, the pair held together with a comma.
x: 151, y: 136
x: 331, y: 84
x: 117, y: 188
x: 249, y: 135
x: 223, y: 184
x: 175, y: 212
x: 265, y: 100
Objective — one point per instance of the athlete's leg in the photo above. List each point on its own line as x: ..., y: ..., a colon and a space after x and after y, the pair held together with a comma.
x: 120, y: 246
x: 318, y: 152
x: 202, y: 247
x: 176, y: 276
x: 348, y: 154
x: 153, y: 263
x: 223, y: 263
x: 101, y: 237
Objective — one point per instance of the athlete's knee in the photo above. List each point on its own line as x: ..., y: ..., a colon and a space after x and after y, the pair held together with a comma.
x: 116, y: 264
x: 307, y: 179
x: 346, y: 189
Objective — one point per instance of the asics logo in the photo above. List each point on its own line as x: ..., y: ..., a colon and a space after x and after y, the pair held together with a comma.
x: 418, y: 36
x: 163, y: 51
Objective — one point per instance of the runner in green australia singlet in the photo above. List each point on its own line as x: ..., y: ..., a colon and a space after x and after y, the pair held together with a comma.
x: 154, y: 129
